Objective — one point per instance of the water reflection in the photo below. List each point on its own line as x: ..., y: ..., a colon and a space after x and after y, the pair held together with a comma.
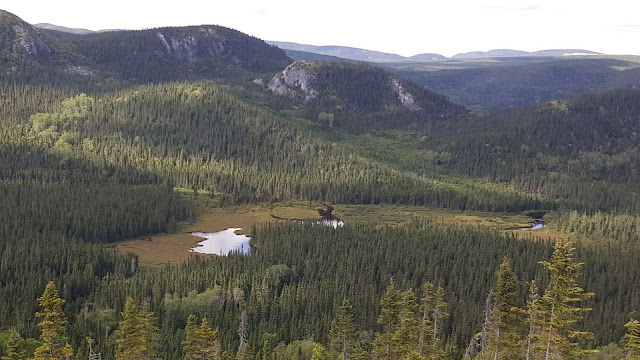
x: 222, y: 242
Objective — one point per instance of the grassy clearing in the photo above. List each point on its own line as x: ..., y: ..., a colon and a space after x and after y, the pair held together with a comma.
x: 398, y: 215
x: 161, y: 249
x: 174, y: 248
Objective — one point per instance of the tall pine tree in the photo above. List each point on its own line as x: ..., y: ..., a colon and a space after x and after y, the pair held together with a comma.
x: 506, y: 339
x: 53, y: 324
x: 136, y: 334
x: 343, y: 334
x: 559, y: 334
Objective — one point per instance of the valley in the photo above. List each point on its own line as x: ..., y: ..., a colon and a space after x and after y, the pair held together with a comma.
x: 116, y: 146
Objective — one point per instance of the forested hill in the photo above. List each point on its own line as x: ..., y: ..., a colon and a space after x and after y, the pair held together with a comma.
x: 500, y: 83
x: 153, y: 55
x: 175, y: 53
x: 359, y: 97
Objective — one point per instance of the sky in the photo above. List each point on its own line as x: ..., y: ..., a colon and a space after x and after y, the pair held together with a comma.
x: 405, y: 27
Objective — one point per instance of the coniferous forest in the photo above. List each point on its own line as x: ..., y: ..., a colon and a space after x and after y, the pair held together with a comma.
x: 115, y: 136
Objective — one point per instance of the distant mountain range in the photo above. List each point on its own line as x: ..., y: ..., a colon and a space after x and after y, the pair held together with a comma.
x: 518, y: 53
x: 298, y: 52
x: 350, y: 53
x: 47, y: 26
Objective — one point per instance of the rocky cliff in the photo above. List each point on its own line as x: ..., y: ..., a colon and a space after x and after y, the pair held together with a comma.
x: 21, y: 41
x: 345, y: 85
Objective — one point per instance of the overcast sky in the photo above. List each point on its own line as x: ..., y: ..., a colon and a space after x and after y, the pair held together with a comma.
x: 403, y: 27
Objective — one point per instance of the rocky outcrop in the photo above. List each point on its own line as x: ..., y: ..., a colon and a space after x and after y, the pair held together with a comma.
x: 295, y: 81
x: 28, y: 41
x: 407, y: 100
x: 204, y: 42
x: 22, y: 40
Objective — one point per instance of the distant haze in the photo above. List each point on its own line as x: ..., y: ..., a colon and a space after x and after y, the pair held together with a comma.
x: 400, y: 27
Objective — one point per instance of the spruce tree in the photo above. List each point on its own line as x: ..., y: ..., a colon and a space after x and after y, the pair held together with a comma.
x: 190, y: 345
x: 559, y: 333
x: 632, y: 338
x: 208, y: 342
x: 439, y: 313
x: 534, y: 315
x: 12, y: 346
x: 343, y: 335
x: 405, y: 337
x: 383, y: 344
x: 136, y: 333
x: 505, y: 318
x: 53, y: 324
x: 425, y: 338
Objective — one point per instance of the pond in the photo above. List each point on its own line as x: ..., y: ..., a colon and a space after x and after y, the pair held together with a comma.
x: 539, y: 224
x: 222, y: 242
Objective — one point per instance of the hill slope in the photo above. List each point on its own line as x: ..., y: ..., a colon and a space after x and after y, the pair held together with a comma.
x: 359, y: 97
x: 177, y: 53
x: 513, y: 82
x: 21, y: 41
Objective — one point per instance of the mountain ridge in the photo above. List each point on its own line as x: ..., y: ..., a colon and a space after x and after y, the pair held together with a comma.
x: 359, y: 54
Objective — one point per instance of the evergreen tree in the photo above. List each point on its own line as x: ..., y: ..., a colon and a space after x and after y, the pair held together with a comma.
x: 401, y: 319
x: 343, y: 335
x: 534, y: 314
x: 383, y: 344
x: 632, y: 338
x: 439, y: 313
x: 209, y: 342
x: 12, y: 347
x: 405, y: 337
x: 190, y: 345
x: 507, y: 324
x: 425, y: 338
x: 53, y: 323
x: 136, y: 334
x: 560, y: 315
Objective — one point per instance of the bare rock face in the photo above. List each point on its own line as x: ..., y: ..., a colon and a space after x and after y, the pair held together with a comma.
x: 407, y: 100
x: 192, y: 48
x: 28, y: 41
x: 22, y: 40
x: 295, y: 81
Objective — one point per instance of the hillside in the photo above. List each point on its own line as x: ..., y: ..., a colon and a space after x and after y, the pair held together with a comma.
x: 359, y: 97
x: 513, y: 82
x: 177, y: 53
x: 21, y: 41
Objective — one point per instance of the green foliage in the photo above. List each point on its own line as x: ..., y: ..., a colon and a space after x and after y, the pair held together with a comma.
x: 560, y: 316
x: 632, y: 338
x: 13, y: 346
x: 169, y: 54
x: 136, y: 335
x: 343, y: 334
x: 622, y: 229
x: 506, y: 340
x: 53, y: 324
x: 201, y: 342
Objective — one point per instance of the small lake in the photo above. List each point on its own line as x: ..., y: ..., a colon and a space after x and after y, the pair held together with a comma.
x: 539, y: 224
x: 222, y: 242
